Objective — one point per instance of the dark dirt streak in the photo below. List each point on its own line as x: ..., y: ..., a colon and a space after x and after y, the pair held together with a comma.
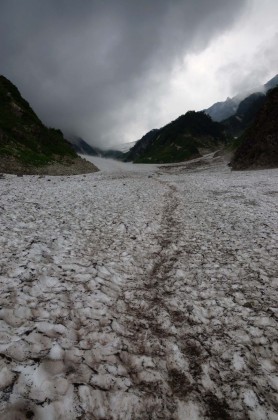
x: 164, y: 261
x: 152, y: 290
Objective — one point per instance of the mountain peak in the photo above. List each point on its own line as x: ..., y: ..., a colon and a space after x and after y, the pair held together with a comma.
x: 221, y: 111
x: 182, y: 139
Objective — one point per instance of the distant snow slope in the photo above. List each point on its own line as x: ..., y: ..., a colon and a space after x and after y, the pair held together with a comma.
x: 112, y: 165
x: 139, y: 294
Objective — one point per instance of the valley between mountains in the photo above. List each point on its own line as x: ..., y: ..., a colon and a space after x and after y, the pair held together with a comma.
x: 140, y: 292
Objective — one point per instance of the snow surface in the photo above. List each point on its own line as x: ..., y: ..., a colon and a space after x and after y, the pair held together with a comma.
x: 139, y: 292
x: 112, y: 165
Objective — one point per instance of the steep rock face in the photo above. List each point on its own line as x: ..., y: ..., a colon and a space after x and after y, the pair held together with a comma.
x: 182, y: 139
x: 259, y: 144
x: 222, y: 110
x: 25, y: 142
x: 272, y: 83
x: 82, y: 147
x: 245, y: 114
x: 142, y: 145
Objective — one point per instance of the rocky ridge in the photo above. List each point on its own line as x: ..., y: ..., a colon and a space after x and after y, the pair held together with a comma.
x: 27, y: 146
x: 259, y: 144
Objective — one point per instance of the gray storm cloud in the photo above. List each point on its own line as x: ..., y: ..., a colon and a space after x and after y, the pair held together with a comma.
x: 264, y: 59
x: 89, y: 67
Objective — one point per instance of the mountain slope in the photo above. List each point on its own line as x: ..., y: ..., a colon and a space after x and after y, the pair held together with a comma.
x: 259, y: 144
x: 83, y: 148
x: 25, y: 142
x: 182, y: 139
x: 271, y: 84
x: 125, y: 147
x: 221, y: 111
x: 142, y: 145
x: 245, y: 114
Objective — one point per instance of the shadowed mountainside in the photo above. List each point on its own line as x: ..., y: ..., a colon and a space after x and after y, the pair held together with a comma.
x: 259, y: 144
x: 26, y: 144
x: 182, y: 139
x: 245, y: 114
x: 221, y: 111
x: 83, y: 148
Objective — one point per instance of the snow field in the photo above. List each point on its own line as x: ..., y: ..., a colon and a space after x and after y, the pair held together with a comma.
x: 143, y: 293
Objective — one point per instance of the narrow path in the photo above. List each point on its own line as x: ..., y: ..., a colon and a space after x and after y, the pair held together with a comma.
x: 164, y: 361
x: 148, y: 357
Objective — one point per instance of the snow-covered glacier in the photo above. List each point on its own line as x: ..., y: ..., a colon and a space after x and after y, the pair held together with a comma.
x: 139, y: 292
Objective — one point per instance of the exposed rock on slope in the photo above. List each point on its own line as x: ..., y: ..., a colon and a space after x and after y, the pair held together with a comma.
x: 245, y: 114
x: 223, y: 110
x: 271, y: 84
x: 185, y: 138
x: 82, y: 147
x: 220, y: 111
x: 27, y: 146
x: 259, y: 144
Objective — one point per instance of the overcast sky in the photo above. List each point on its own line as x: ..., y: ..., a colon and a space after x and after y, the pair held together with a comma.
x: 111, y: 70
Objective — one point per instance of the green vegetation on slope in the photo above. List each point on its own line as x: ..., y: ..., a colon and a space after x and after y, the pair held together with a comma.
x: 179, y: 140
x: 182, y: 148
x: 22, y: 134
